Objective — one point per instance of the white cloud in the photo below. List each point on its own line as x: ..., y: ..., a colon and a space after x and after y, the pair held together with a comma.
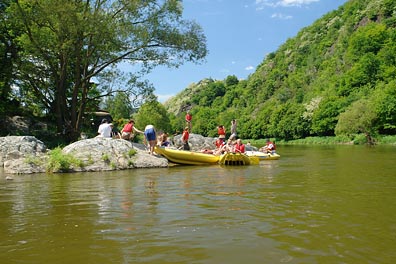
x: 249, y: 68
x: 261, y: 4
x: 296, y: 2
x: 281, y: 16
x: 164, y: 97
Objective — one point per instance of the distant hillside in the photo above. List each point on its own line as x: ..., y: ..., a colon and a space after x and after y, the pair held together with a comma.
x: 336, y: 76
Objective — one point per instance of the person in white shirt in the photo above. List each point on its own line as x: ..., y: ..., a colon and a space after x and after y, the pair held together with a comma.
x: 104, y: 129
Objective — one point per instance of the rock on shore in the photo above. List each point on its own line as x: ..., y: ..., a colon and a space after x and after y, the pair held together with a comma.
x: 27, y: 154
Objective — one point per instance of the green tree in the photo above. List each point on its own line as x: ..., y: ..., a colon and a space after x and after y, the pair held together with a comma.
x: 325, y: 117
x: 384, y: 100
x: 231, y: 80
x: 204, y: 121
x: 153, y: 113
x: 8, y: 58
x: 359, y: 117
x: 74, y: 47
x: 119, y: 106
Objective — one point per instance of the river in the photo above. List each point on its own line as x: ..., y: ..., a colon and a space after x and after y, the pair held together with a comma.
x: 317, y: 204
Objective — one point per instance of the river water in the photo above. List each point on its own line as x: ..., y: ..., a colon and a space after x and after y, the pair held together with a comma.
x: 317, y: 204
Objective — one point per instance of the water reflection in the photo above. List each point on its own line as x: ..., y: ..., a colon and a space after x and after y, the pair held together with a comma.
x: 314, y: 205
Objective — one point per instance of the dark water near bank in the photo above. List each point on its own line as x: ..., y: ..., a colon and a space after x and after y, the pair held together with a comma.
x: 331, y: 204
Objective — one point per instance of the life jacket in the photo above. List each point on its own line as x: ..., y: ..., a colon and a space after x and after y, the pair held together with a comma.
x: 219, y: 143
x: 185, y: 135
x: 188, y: 117
x: 270, y: 146
x: 240, y: 148
x: 221, y: 131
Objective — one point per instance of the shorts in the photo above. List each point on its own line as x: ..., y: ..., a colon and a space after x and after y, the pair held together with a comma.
x: 150, y: 134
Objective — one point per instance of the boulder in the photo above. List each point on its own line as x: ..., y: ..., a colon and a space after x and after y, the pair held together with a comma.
x: 101, y: 154
x: 197, y: 142
x: 16, y: 147
x: 26, y: 154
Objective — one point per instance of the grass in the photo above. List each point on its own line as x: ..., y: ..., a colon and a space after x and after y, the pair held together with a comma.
x: 61, y: 162
x: 131, y: 152
x: 106, y: 158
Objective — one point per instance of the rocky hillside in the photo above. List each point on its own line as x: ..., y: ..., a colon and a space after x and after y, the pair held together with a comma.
x: 335, y: 77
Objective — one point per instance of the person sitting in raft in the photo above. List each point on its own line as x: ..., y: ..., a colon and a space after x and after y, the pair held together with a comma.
x: 163, y: 140
x: 229, y: 147
x: 221, y: 132
x: 239, y: 146
x: 219, y: 143
x: 127, y: 130
x: 269, y: 147
x: 208, y: 151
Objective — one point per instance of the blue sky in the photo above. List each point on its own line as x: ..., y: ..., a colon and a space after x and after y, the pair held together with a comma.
x: 240, y: 33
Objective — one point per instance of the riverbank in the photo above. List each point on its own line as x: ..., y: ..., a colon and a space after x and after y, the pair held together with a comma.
x: 356, y: 140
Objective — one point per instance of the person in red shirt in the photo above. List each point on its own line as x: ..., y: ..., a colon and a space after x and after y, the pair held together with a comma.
x: 128, y: 129
x: 221, y: 132
x: 184, y: 139
x: 219, y: 143
x: 188, y: 120
x: 270, y: 147
x: 239, y: 146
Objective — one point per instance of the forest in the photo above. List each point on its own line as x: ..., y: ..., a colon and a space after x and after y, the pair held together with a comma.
x: 336, y: 77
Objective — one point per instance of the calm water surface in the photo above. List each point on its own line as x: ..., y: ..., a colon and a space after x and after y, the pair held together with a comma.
x: 333, y: 204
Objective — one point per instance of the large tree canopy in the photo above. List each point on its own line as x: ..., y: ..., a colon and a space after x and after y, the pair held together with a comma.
x: 73, y: 49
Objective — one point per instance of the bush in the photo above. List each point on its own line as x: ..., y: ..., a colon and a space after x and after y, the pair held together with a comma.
x: 60, y: 162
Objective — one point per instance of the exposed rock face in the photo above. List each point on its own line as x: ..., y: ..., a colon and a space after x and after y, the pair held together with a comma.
x: 100, y: 154
x: 26, y: 154
x: 29, y: 155
x: 15, y: 147
x: 196, y: 142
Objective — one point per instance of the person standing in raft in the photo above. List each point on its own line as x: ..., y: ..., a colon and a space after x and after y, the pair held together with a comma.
x: 150, y: 138
x: 221, y: 132
x: 188, y: 120
x: 185, y: 138
x: 233, y: 129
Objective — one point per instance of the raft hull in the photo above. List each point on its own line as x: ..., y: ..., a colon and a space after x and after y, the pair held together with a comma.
x: 263, y: 156
x: 187, y: 157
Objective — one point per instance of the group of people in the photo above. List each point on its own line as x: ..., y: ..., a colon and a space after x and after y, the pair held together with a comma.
x: 233, y: 144
x: 105, y: 130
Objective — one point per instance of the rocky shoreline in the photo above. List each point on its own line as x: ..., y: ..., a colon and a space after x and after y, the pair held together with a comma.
x: 27, y: 154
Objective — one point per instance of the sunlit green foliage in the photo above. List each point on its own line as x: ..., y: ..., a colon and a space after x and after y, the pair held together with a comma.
x: 153, y: 113
x: 336, y: 77
x: 70, y: 52
x: 61, y: 162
